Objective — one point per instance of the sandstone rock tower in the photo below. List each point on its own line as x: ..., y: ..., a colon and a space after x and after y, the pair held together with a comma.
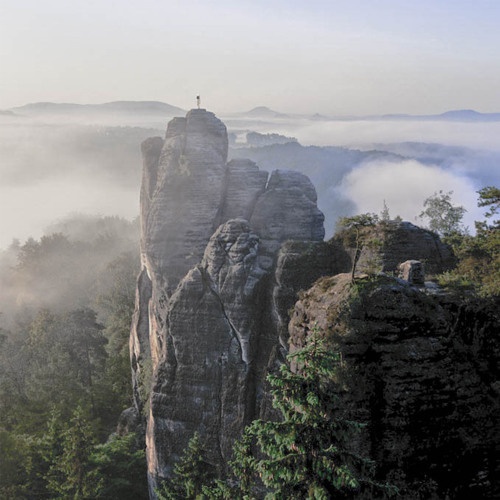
x: 211, y: 297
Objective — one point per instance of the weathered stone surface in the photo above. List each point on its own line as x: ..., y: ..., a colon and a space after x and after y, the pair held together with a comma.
x: 226, y: 250
x: 298, y: 266
x: 128, y: 422
x: 390, y: 243
x: 139, y: 341
x: 287, y: 210
x: 420, y: 370
x: 182, y: 207
x: 205, y: 327
x: 245, y: 183
x: 204, y: 382
x: 412, y: 271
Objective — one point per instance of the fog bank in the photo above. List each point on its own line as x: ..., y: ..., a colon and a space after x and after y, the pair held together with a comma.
x: 404, y: 185
x: 49, y: 169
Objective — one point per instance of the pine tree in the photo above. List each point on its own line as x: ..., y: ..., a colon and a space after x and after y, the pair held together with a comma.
x: 120, y: 469
x: 191, y: 473
x: 385, y: 216
x: 70, y: 475
x: 309, y: 453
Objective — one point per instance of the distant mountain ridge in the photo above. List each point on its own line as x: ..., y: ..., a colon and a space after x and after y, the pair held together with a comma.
x: 459, y: 115
x: 150, y: 107
x: 259, y: 112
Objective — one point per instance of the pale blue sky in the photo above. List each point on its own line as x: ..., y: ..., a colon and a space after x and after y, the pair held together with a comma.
x: 332, y: 56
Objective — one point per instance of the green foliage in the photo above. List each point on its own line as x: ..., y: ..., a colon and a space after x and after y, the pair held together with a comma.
x: 358, y: 221
x: 489, y: 196
x: 65, y: 462
x: 443, y: 217
x: 114, y: 300
x: 65, y: 372
x: 478, y: 256
x: 13, y: 464
x: 120, y: 469
x: 191, y: 473
x: 385, y: 215
x: 357, y: 227
x: 70, y: 474
x: 309, y: 453
x: 55, y: 360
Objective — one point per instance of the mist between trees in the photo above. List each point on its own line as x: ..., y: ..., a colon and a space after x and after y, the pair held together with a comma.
x: 67, y: 300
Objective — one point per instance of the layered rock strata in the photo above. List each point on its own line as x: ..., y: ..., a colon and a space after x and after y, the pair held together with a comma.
x: 205, y: 329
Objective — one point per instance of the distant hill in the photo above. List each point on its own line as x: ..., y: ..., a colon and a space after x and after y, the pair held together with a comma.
x: 460, y: 115
x: 469, y: 115
x: 264, y: 112
x: 143, y: 107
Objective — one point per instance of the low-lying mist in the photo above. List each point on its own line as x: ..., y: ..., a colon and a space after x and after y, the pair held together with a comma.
x: 364, y: 133
x: 50, y: 168
x: 404, y: 174
x: 403, y: 185
x: 66, y: 268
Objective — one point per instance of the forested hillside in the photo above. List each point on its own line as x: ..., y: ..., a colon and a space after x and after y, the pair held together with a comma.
x: 67, y: 300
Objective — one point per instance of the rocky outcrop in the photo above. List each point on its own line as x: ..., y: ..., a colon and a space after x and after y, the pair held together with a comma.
x: 225, y: 249
x: 390, y: 243
x: 205, y: 328
x: 422, y: 371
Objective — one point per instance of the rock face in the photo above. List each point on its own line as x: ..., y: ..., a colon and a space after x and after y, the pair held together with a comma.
x: 391, y: 243
x: 422, y: 371
x: 225, y: 249
x: 205, y: 328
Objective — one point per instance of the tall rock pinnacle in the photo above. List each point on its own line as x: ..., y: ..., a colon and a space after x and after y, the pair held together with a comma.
x: 206, y: 325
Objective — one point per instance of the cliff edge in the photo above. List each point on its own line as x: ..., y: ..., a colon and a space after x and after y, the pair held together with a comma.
x: 421, y: 369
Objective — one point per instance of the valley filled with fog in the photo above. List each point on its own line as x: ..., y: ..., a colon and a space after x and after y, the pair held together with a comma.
x: 57, y: 161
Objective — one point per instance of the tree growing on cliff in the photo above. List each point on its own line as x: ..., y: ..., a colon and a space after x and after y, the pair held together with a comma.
x: 357, y: 226
x: 443, y: 217
x: 309, y: 452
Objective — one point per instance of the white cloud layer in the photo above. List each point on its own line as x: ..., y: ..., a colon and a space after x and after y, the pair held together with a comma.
x: 404, y: 186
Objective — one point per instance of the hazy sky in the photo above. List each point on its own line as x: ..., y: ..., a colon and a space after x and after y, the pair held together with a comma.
x: 327, y: 56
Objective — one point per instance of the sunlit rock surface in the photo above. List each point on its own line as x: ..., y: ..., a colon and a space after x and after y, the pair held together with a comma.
x: 205, y: 328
